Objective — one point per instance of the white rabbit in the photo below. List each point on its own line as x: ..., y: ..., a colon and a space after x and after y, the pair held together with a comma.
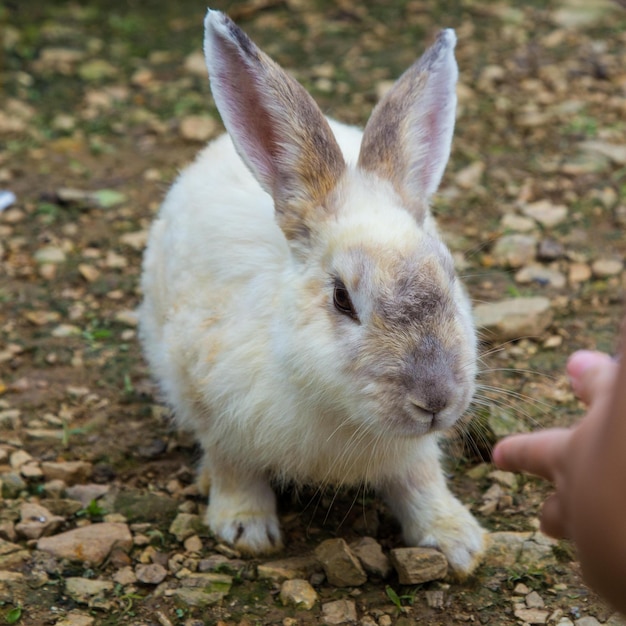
x: 301, y: 312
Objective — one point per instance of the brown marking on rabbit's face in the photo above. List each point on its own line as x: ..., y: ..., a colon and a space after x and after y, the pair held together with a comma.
x: 413, y: 356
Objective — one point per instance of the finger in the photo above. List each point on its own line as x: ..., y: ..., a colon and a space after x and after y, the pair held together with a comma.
x: 592, y: 374
x: 553, y: 518
x: 537, y: 453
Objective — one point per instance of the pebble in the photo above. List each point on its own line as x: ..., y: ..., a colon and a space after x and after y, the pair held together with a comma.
x: 616, y: 153
x: 603, y: 268
x: 341, y: 567
x: 470, y: 176
x: 514, y: 250
x: 534, y: 601
x: 70, y: 472
x: 506, y: 479
x: 185, y: 525
x: 517, y: 223
x: 37, y: 521
x: 88, y: 591
x: 546, y: 213
x: 199, y: 128
x: 541, y: 275
x: 418, y: 565
x: 85, y: 494
x: 550, y: 250
x: 76, y: 619
x: 587, y: 620
x: 19, y: 458
x: 508, y: 548
x: 299, y: 593
x: 578, y: 273
x: 90, y: 544
x: 513, y: 318
x: 7, y: 199
x: 339, y: 612
x: 372, y: 558
x: 125, y: 576
x: 532, y: 616
x: 195, y: 64
x: 150, y: 573
x: 285, y: 569
x: 50, y: 255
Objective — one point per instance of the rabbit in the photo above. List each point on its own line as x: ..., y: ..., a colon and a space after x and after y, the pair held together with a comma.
x: 300, y: 311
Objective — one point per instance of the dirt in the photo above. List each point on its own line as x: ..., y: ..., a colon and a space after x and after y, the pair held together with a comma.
x: 539, y: 81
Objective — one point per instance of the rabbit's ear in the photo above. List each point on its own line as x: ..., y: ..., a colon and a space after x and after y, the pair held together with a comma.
x: 407, y: 139
x: 276, y: 127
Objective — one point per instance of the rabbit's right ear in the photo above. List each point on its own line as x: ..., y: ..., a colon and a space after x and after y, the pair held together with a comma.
x: 276, y: 127
x: 408, y: 137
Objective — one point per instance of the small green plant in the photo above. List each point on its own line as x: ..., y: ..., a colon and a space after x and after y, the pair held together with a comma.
x: 92, y: 511
x: 14, y: 615
x: 399, y: 601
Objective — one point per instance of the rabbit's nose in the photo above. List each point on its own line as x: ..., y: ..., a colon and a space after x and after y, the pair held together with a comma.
x: 430, y: 406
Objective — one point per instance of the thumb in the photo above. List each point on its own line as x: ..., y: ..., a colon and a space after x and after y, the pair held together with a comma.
x: 592, y: 374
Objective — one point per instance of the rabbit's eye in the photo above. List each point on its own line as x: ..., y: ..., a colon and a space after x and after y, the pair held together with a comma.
x: 342, y: 301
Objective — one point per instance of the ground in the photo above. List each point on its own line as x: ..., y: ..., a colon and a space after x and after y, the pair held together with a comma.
x: 102, y: 106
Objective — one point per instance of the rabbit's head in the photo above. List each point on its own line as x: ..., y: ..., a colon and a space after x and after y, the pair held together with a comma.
x: 373, y: 319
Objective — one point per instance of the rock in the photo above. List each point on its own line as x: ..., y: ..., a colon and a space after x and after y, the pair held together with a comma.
x: 136, y: 240
x: 470, y: 176
x: 185, y: 525
x: 537, y: 551
x: 603, y: 268
x: 19, y: 458
x: 534, y: 601
x: 418, y: 565
x: 506, y: 479
x: 85, y: 494
x: 125, y: 576
x: 341, y: 567
x: 546, y: 213
x: 372, y: 558
x: 137, y: 506
x: 287, y: 569
x: 504, y: 548
x: 220, y: 563
x: 12, y: 485
x: 201, y: 590
x: 90, y: 544
x: 532, y: 616
x: 299, y: 593
x: 587, y: 620
x: 514, y: 250
x: 550, y: 250
x: 339, y: 612
x: 70, y: 472
x: 517, y: 223
x: 88, y: 591
x: 198, y: 128
x: 578, y: 273
x: 616, y: 153
x: 76, y: 619
x: 196, y: 598
x: 541, y: 275
x: 96, y: 70
x: 435, y: 598
x: 514, y: 318
x: 37, y: 521
x: 195, y: 64
x: 50, y: 254
x: 151, y: 573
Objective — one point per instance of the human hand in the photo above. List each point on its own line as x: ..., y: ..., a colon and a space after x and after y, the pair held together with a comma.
x: 565, y: 456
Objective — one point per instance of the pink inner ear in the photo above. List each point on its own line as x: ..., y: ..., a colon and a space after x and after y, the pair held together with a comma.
x: 238, y: 96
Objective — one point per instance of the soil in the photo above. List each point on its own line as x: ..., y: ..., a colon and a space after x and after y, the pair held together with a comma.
x: 102, y: 106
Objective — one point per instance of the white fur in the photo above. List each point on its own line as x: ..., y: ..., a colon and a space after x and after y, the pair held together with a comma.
x: 234, y: 329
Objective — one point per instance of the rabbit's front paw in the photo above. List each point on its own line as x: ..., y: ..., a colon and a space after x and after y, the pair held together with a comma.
x: 459, y: 536
x: 249, y: 532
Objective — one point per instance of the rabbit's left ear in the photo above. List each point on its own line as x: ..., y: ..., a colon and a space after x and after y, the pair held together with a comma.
x: 276, y: 127
x: 408, y: 137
